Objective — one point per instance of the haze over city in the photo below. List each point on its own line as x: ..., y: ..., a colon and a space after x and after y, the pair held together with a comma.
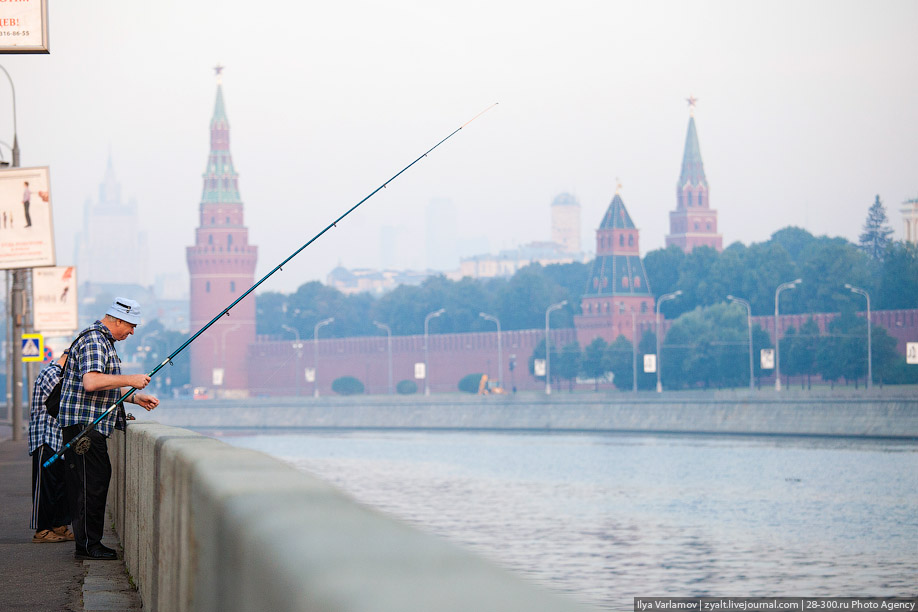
x: 805, y: 113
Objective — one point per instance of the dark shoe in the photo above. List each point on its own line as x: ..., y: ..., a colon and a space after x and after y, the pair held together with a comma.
x: 99, y: 553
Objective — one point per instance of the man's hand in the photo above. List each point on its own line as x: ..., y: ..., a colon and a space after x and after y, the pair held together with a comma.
x: 145, y: 400
x: 138, y: 381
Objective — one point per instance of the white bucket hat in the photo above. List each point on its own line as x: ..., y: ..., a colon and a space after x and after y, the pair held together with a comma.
x: 125, y: 309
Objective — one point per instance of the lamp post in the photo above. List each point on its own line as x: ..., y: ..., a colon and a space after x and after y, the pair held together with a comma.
x: 298, y: 347
x: 388, y: 331
x: 863, y: 292
x: 427, y: 319
x: 791, y: 285
x: 548, y: 312
x: 315, y: 348
x: 668, y: 296
x: 18, y: 309
x: 745, y: 304
x: 500, y: 362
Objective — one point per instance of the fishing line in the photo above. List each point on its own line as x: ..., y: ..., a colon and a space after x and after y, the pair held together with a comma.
x: 226, y: 310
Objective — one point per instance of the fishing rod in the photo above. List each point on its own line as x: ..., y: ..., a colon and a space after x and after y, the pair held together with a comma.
x: 80, y: 442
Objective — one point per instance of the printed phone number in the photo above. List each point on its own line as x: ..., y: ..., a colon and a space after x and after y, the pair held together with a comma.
x: 14, y: 33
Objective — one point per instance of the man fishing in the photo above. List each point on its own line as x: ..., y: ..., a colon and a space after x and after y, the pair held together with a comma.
x: 92, y: 383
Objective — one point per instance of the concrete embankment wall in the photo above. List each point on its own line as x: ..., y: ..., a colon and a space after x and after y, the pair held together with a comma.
x: 881, y: 414
x: 209, y: 527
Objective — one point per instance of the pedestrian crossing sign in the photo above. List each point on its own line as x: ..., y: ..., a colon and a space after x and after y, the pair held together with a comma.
x: 33, y: 347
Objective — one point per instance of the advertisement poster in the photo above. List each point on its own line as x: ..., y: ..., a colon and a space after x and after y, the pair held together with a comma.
x: 24, y: 26
x: 54, y: 298
x: 26, y: 228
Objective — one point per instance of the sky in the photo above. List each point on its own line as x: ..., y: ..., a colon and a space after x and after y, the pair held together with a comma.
x: 806, y: 111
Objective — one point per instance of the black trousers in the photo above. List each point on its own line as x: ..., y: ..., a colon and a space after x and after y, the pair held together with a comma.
x: 28, y: 218
x: 87, y: 477
x: 50, y: 506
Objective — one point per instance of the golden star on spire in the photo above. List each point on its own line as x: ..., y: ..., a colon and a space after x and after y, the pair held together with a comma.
x: 692, y: 101
x: 618, y: 186
x: 217, y: 70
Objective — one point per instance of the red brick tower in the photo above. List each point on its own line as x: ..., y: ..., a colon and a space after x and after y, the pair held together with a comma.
x: 222, y: 267
x: 617, y: 287
x: 694, y: 222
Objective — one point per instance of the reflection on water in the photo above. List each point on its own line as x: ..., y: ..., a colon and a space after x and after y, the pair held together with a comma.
x: 610, y: 517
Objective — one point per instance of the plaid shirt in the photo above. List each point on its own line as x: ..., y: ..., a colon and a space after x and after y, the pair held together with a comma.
x: 94, y: 352
x: 44, y: 428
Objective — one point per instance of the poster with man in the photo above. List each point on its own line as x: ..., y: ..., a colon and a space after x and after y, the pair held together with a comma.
x: 54, y: 300
x: 26, y: 228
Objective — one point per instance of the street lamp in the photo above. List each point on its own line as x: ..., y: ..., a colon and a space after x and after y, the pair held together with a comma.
x: 500, y: 362
x: 791, y: 285
x: 298, y: 346
x: 748, y: 308
x: 315, y: 347
x: 17, y: 299
x: 427, y: 319
x: 668, y: 296
x: 388, y: 331
x: 860, y: 291
x: 551, y: 308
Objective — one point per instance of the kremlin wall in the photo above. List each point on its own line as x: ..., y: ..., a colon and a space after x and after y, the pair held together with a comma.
x: 231, y: 361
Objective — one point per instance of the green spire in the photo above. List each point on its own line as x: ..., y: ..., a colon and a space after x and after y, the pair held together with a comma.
x: 692, y: 166
x: 221, y: 181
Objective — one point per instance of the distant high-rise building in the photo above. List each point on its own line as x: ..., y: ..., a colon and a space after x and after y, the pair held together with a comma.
x: 618, y: 294
x: 111, y: 249
x: 221, y: 265
x: 694, y: 222
x: 565, y: 222
x: 910, y: 218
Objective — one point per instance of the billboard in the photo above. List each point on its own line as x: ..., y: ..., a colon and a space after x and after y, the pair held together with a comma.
x: 24, y: 26
x: 26, y: 228
x: 54, y: 300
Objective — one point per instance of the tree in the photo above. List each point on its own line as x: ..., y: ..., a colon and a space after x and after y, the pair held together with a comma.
x: 876, y: 236
x: 794, y: 240
x: 899, y: 277
x: 620, y: 358
x: 843, y: 353
x: 799, y: 349
x: 595, y: 363
x: 662, y: 268
x: 568, y: 364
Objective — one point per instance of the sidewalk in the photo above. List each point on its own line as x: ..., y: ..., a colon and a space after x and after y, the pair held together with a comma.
x: 46, y: 576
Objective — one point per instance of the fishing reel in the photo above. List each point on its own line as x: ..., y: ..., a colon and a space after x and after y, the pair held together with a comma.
x: 82, y: 445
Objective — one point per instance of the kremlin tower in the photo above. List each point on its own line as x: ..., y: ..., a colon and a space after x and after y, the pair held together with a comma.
x: 222, y: 267
x: 694, y: 222
x: 617, y: 298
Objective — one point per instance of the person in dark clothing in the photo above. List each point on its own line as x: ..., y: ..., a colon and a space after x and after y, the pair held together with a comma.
x: 91, y: 385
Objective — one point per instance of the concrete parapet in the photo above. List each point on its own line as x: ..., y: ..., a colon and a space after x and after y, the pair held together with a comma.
x: 209, y: 527
x: 880, y: 415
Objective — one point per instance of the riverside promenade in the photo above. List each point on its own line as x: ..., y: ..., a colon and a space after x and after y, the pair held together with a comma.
x: 46, y: 576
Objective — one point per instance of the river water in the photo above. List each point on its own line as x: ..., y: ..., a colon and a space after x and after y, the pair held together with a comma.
x: 606, y: 517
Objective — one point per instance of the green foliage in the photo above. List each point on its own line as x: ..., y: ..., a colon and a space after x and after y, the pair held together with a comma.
x: 406, y: 387
x: 347, y: 385
x: 707, y: 347
x: 898, y: 277
x: 470, y: 383
x: 620, y: 357
x: 875, y: 238
x: 568, y: 364
x: 595, y: 363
